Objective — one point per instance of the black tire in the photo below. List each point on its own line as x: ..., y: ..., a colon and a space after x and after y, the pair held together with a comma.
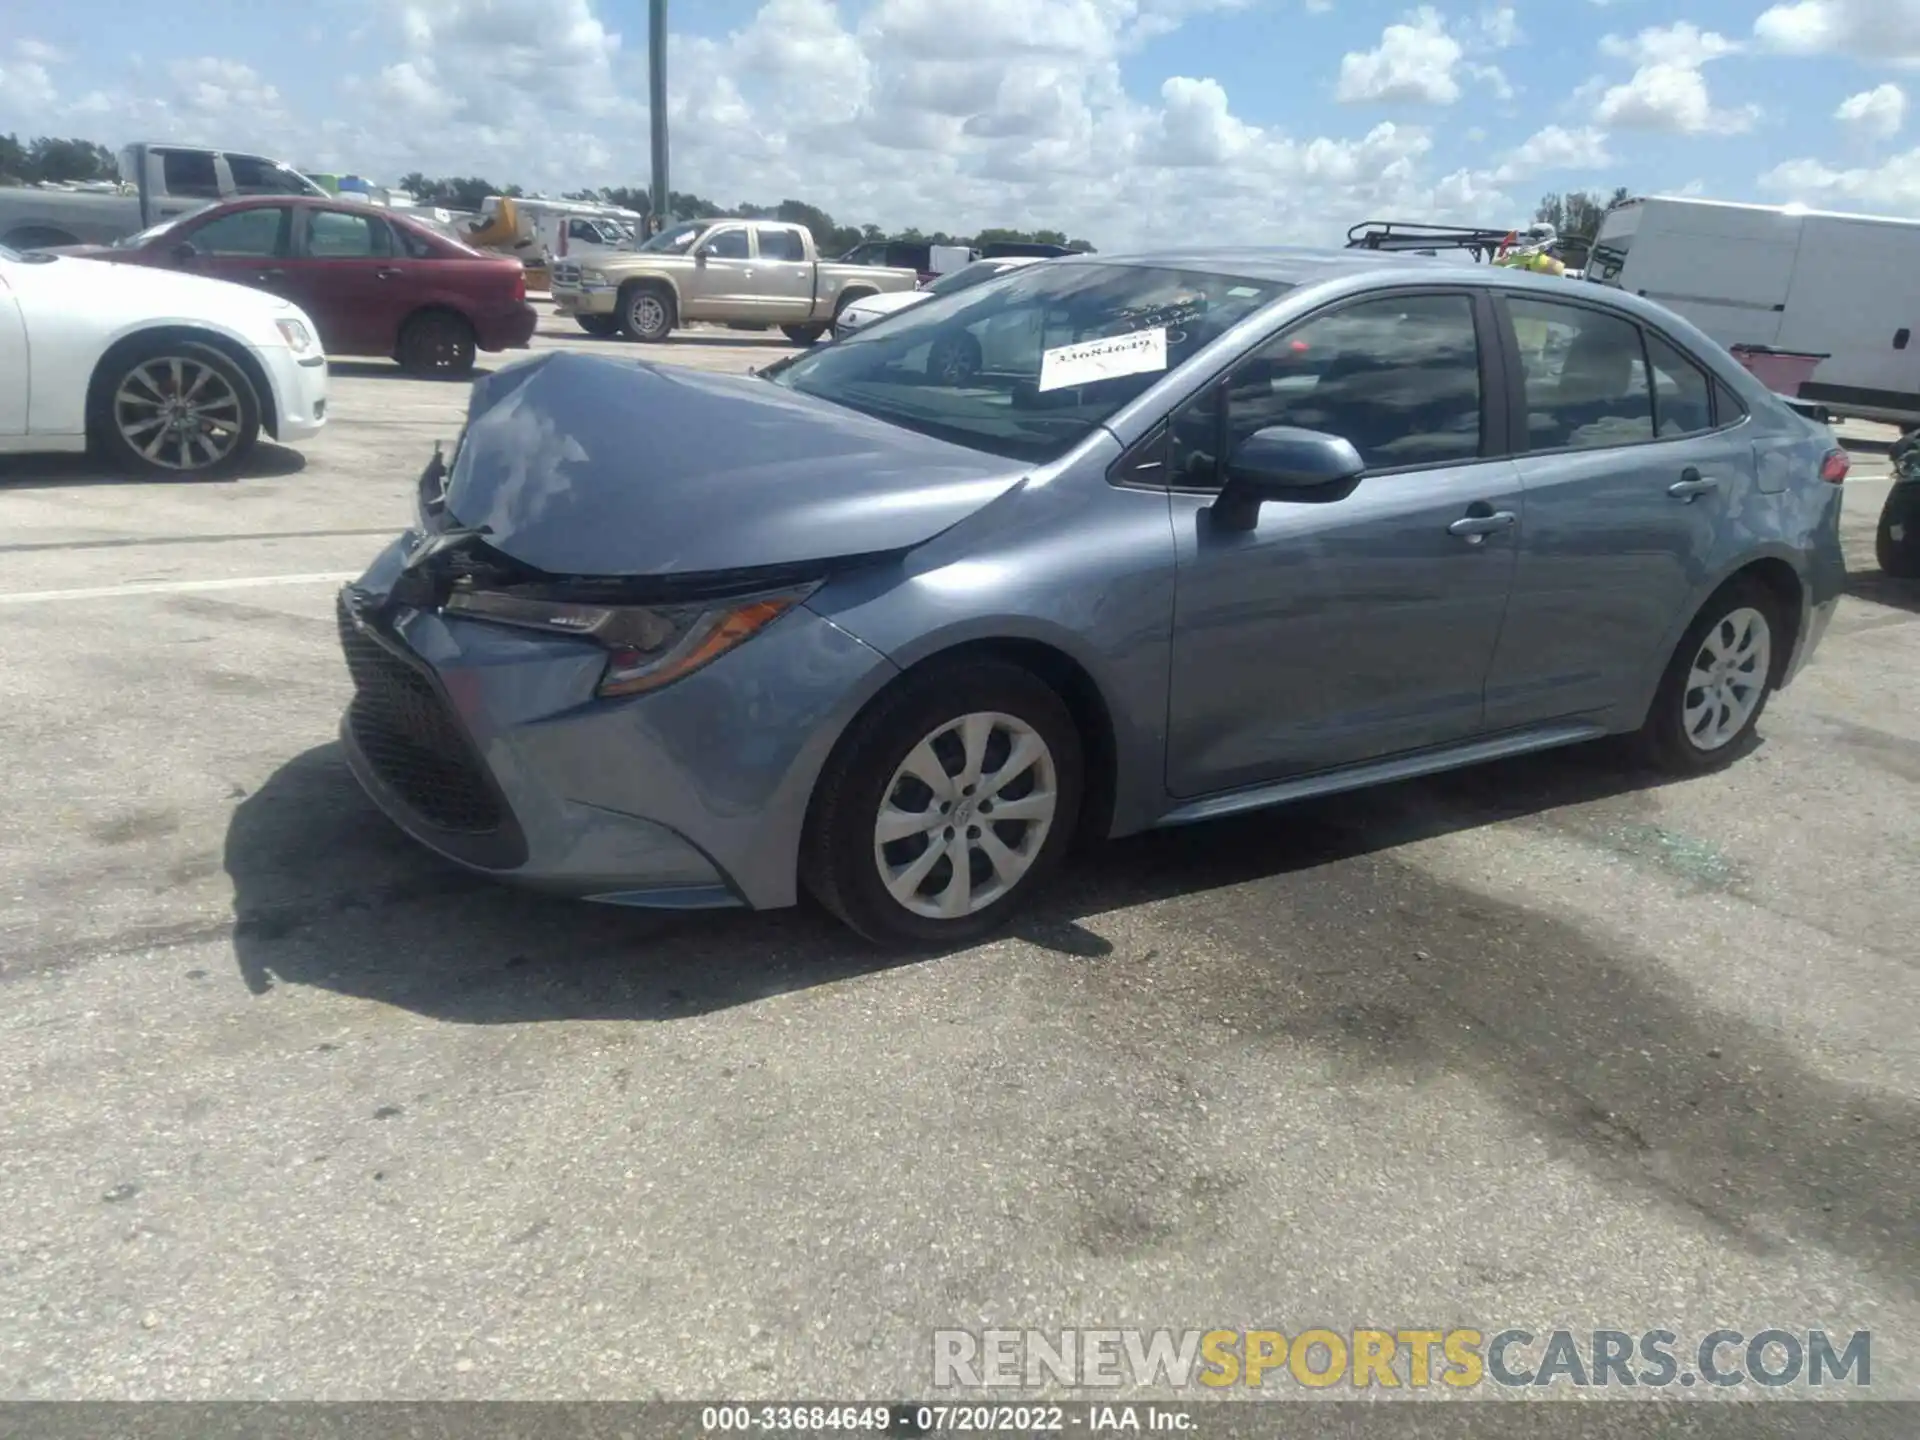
x: 119, y: 415
x: 437, y: 344
x: 839, y: 863
x: 1896, y: 545
x: 954, y: 358
x: 1667, y: 741
x: 803, y: 334
x: 601, y: 326
x: 647, y: 313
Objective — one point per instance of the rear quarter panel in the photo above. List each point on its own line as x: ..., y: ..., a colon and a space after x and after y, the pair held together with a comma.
x: 833, y: 279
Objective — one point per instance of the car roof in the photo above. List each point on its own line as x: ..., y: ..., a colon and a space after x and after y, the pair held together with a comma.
x: 1291, y: 264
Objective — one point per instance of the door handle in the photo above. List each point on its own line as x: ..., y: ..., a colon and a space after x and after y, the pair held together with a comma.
x: 1475, y: 528
x: 273, y: 274
x: 387, y: 272
x: 1690, y: 484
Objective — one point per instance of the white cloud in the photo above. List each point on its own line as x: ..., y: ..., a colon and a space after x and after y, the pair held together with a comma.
x: 26, y: 85
x: 886, y: 112
x: 1892, y: 188
x: 1412, y: 64
x: 1667, y: 90
x: 1557, y: 148
x: 39, y: 52
x: 1877, y: 113
x: 1876, y: 30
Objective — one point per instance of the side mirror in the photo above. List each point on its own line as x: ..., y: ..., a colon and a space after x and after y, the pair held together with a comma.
x: 184, y: 253
x: 700, y: 255
x: 1285, y: 463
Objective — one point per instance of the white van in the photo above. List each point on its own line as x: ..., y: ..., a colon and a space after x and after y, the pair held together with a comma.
x: 1786, y: 278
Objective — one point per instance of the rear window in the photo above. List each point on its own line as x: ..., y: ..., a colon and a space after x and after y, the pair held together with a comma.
x: 189, y: 173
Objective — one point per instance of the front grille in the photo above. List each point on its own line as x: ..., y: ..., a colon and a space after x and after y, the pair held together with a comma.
x: 410, y: 737
x: 566, y: 272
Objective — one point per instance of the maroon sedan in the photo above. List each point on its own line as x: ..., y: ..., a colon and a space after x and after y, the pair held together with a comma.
x: 375, y: 281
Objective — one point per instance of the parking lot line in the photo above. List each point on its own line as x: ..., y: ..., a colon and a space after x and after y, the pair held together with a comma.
x: 173, y: 587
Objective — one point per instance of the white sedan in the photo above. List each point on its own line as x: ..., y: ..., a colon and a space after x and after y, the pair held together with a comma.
x: 163, y: 373
x: 862, y: 313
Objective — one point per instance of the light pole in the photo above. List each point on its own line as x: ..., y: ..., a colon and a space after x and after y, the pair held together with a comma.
x: 657, y: 105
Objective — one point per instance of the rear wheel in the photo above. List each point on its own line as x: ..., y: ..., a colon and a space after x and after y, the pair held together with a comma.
x: 1897, y: 544
x: 601, y: 325
x: 803, y: 334
x: 646, y: 313
x: 171, y: 407
x: 1717, y: 683
x: 437, y: 343
x: 946, y: 806
x: 954, y: 359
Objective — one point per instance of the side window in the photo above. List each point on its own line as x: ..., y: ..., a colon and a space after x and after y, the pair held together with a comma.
x: 778, y: 244
x: 581, y: 230
x: 336, y: 235
x: 254, y: 176
x: 1682, y: 393
x: 189, y: 173
x: 1727, y: 406
x: 1399, y: 377
x: 1585, y: 376
x: 729, y: 244
x: 260, y: 232
x: 416, y: 246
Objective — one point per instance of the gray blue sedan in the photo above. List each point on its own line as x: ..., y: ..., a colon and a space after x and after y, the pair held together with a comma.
x: 1102, y: 545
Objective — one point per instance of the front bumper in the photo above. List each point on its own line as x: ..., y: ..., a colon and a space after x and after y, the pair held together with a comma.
x: 583, y: 301
x: 299, y: 392
x: 489, y: 746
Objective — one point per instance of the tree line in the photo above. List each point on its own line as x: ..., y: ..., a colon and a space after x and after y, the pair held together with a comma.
x: 830, y: 236
x: 49, y: 158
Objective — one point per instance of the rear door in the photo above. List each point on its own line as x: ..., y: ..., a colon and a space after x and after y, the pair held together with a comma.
x: 347, y: 278
x: 1628, y: 486
x: 785, y: 278
x: 1350, y: 627
x: 1856, y: 299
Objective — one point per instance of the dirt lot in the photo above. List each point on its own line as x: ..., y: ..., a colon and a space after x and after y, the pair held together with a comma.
x: 297, y: 1111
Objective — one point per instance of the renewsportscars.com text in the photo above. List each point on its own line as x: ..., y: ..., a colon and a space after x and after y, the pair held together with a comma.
x: 1414, y: 1359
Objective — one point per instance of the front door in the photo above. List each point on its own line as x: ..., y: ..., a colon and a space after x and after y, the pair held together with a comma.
x: 246, y: 247
x: 350, y: 281
x: 1627, y: 484
x: 722, y: 282
x: 1350, y: 628
x: 785, y: 277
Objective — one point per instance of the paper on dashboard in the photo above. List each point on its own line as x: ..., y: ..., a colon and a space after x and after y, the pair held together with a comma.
x: 1142, y: 352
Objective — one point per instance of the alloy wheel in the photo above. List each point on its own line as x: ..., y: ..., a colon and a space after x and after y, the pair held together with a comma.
x: 178, y: 412
x: 965, y: 815
x: 1728, y: 679
x: 648, y: 315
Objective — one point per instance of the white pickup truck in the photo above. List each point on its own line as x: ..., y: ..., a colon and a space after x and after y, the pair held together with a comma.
x: 749, y: 273
x: 162, y: 181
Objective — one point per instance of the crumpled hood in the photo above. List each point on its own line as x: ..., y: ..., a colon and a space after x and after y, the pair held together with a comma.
x: 583, y: 465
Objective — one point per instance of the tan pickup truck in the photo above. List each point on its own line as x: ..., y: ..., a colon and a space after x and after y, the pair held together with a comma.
x: 752, y: 273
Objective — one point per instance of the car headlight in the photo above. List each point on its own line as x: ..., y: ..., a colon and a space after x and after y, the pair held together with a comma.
x: 298, y: 339
x: 648, y: 646
x: 593, y: 277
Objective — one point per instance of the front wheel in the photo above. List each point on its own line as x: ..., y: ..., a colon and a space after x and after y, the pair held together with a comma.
x: 599, y: 325
x: 946, y: 805
x: 1897, y: 543
x: 803, y: 334
x: 176, y: 408
x: 1717, y: 683
x: 646, y: 313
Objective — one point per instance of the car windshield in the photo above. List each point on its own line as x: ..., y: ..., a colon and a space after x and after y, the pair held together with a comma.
x: 969, y: 276
x: 679, y: 237
x: 154, y: 232
x: 1028, y: 367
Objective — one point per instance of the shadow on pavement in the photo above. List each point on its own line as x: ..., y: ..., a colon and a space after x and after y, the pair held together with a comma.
x: 390, y: 370
x: 40, y: 472
x: 1312, y: 936
x: 1883, y: 589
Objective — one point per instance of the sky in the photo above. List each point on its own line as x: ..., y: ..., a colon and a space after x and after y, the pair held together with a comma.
x: 1126, y: 122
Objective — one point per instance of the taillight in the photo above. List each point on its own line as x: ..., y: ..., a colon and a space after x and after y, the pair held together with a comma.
x: 520, y: 284
x: 1834, y: 468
